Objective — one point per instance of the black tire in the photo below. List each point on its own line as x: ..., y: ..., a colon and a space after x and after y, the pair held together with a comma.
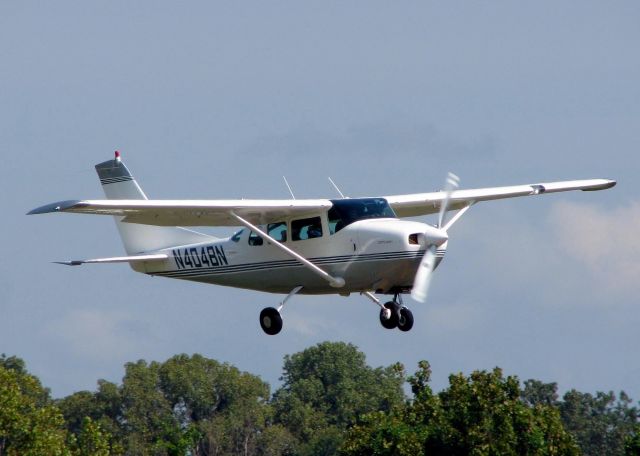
x: 405, y: 322
x: 392, y: 321
x: 270, y: 321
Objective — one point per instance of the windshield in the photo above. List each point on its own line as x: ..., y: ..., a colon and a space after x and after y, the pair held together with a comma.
x: 346, y: 211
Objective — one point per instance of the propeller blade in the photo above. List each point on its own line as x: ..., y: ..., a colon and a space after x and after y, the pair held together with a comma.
x: 450, y: 185
x: 423, y: 275
x: 433, y: 238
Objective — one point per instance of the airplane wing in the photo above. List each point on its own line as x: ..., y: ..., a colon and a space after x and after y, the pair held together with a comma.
x: 259, y: 212
x: 191, y: 212
x: 429, y: 203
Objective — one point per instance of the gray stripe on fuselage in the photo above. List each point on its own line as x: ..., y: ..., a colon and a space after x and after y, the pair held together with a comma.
x: 324, y: 261
x: 359, y: 275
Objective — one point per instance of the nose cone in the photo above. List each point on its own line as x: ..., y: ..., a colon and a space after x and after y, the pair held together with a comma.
x: 434, y: 236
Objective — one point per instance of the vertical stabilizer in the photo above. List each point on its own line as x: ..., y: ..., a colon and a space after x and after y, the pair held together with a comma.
x: 118, y: 183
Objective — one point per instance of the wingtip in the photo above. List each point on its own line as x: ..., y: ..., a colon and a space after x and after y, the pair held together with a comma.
x: 54, y: 207
x: 606, y: 184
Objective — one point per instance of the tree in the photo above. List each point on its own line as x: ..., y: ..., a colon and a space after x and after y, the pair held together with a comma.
x: 93, y: 418
x: 327, y: 388
x: 536, y: 392
x: 225, y: 409
x: 275, y: 440
x: 149, y: 420
x: 632, y: 443
x: 92, y: 440
x: 601, y: 423
x: 479, y: 414
x: 29, y: 423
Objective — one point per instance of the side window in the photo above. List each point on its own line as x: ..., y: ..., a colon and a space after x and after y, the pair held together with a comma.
x: 236, y: 237
x: 255, y: 239
x: 278, y: 231
x: 308, y: 228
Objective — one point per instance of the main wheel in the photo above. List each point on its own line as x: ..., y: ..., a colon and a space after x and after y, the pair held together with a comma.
x: 270, y: 321
x: 405, y: 322
x: 392, y: 321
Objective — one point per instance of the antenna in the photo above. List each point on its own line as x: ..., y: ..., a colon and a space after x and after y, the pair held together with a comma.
x: 289, y: 187
x: 336, y: 187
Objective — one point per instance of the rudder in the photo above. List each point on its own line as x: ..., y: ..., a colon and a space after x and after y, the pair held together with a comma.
x: 118, y: 183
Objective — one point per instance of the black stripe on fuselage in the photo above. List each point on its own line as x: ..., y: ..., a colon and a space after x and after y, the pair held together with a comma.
x: 248, y: 267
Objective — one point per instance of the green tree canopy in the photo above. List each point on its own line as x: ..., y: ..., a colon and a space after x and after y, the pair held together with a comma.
x: 477, y: 414
x: 602, y: 423
x: 29, y: 422
x: 327, y: 388
x: 330, y: 402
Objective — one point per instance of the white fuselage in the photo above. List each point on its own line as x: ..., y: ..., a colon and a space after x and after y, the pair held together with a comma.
x: 370, y: 255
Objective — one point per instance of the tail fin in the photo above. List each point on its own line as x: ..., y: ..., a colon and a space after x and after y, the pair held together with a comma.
x: 118, y: 183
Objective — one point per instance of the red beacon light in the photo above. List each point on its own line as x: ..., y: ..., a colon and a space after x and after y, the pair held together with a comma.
x: 117, y: 155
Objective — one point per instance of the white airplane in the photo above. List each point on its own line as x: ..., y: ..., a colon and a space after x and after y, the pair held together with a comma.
x: 312, y: 246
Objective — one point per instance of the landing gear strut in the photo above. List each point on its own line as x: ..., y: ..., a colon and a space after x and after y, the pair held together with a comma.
x: 270, y: 318
x: 393, y: 314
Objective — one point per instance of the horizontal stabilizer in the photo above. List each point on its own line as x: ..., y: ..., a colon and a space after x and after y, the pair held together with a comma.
x: 123, y: 259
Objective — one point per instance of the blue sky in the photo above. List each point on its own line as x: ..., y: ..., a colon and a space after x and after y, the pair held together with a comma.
x: 219, y: 100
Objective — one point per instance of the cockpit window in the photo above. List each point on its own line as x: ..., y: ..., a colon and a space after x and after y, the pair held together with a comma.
x: 237, y: 235
x: 346, y: 211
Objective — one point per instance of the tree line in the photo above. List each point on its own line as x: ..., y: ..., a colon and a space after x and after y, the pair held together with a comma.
x: 330, y: 402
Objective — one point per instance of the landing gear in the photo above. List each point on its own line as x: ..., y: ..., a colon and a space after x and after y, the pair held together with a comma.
x: 389, y: 315
x: 393, y: 314
x: 270, y: 318
x: 405, y: 322
x: 270, y: 321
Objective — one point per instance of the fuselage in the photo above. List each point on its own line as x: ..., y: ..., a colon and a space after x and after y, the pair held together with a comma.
x: 380, y: 255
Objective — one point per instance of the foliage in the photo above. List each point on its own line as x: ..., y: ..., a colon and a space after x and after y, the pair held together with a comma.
x: 95, y: 416
x: 479, y: 414
x: 327, y: 388
x: 601, y: 423
x: 29, y: 423
x: 632, y: 443
x: 92, y: 440
x: 188, y: 404
x: 330, y: 402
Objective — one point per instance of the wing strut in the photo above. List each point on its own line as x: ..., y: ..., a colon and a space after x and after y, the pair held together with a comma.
x: 457, y: 216
x: 336, y: 282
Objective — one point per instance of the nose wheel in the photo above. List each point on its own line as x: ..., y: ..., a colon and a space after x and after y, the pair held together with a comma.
x: 405, y: 322
x: 389, y: 315
x: 393, y: 314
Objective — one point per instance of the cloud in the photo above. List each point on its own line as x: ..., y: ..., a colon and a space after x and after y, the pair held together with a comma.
x: 371, y: 139
x: 96, y: 334
x: 604, y: 240
x: 453, y: 316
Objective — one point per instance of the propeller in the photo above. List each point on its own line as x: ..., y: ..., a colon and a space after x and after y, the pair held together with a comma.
x: 432, y: 239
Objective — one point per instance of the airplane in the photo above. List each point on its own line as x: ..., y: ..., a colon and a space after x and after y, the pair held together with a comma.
x: 294, y: 246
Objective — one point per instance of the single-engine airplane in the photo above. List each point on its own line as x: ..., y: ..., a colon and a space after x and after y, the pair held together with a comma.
x: 296, y: 246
